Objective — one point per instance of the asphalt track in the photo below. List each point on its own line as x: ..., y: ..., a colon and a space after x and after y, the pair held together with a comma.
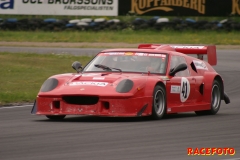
x: 27, y: 137
x: 51, y: 50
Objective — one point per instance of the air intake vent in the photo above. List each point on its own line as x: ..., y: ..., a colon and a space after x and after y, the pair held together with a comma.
x: 81, y: 100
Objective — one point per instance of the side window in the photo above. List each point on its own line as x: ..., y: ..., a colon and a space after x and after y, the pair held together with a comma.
x: 176, y: 60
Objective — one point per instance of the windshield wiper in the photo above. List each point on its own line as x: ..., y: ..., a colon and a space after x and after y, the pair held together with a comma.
x: 106, y: 67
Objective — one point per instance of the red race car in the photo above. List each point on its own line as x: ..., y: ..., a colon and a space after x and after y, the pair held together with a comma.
x: 152, y: 80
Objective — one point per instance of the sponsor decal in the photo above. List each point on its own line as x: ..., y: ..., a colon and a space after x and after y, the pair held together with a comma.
x: 6, y: 4
x: 78, y: 2
x: 129, y: 53
x: 95, y: 2
x: 210, y: 151
x: 200, y: 65
x: 134, y: 54
x: 188, y: 47
x: 144, y: 6
x: 113, y: 53
x: 175, y: 89
x: 141, y: 54
x: 149, y: 54
x: 185, y: 89
x: 33, y: 1
x: 89, y: 74
x: 169, y: 109
x: 61, y: 7
x: 156, y: 55
x: 88, y: 83
x: 88, y: 8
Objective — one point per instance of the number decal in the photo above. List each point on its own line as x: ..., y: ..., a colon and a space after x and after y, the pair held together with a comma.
x: 185, y: 89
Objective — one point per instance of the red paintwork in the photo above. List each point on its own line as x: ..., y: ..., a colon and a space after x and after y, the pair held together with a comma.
x: 129, y: 104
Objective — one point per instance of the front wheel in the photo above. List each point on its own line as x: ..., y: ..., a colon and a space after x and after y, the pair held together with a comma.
x: 215, y: 100
x: 159, y: 102
x: 57, y: 117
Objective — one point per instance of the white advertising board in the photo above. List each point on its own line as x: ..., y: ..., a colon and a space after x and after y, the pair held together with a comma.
x: 60, y: 7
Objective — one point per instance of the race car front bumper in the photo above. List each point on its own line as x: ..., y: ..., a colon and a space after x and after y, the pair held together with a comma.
x: 123, y: 107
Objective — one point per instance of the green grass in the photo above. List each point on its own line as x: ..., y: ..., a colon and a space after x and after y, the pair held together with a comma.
x: 22, y: 74
x: 128, y: 36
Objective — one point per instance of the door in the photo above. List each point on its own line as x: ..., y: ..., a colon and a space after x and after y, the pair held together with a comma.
x: 180, y: 88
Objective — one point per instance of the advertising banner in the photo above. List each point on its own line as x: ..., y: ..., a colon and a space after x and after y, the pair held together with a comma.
x: 180, y: 7
x: 60, y: 7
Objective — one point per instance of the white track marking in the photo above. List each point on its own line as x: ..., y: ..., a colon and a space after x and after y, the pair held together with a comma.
x: 15, y: 107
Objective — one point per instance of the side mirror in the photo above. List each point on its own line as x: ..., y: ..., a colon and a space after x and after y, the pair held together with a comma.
x: 77, y: 66
x: 178, y: 68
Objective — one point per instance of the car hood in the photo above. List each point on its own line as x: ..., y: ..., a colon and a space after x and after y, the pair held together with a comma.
x: 99, y: 84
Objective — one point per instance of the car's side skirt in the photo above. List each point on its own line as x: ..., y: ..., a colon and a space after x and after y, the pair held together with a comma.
x: 188, y: 108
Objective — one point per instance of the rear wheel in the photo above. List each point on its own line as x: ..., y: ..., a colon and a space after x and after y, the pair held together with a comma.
x: 57, y: 117
x: 159, y: 102
x: 215, y: 100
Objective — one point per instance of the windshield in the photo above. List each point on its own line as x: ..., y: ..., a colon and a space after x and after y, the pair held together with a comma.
x: 128, y: 62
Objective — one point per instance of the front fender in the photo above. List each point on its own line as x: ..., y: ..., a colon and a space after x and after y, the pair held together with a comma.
x: 152, y: 82
x: 55, y: 82
x: 149, y: 88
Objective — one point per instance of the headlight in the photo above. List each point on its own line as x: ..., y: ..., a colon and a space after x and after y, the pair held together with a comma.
x: 124, y: 86
x: 49, y: 85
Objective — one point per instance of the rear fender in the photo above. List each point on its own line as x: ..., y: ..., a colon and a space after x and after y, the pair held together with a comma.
x: 224, y: 95
x: 208, y: 82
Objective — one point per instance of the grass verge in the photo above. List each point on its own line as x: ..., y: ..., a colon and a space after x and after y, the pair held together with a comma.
x: 22, y: 74
x: 127, y: 36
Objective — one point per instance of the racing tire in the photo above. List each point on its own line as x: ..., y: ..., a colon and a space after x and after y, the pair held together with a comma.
x: 57, y: 117
x: 159, y: 103
x: 215, y: 100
